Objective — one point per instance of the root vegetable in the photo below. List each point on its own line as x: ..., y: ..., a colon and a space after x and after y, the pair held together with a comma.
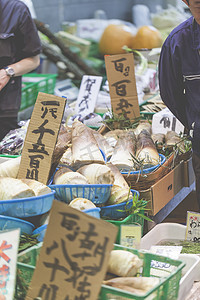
x: 142, y: 283
x: 12, y: 188
x: 85, y: 148
x: 81, y: 204
x: 97, y: 174
x: 38, y: 187
x: 123, y: 263
x: 10, y: 168
x: 146, y: 149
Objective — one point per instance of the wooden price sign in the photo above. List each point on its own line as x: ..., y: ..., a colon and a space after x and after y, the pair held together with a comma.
x: 41, y: 137
x: 74, y: 256
x: 122, y: 85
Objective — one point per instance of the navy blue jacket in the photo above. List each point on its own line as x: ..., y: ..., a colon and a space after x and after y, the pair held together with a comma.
x: 18, y: 39
x: 179, y: 76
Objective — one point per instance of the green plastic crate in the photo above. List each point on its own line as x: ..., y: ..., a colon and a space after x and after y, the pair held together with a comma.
x: 131, y: 219
x: 166, y: 289
x: 29, y: 95
x: 26, y: 262
x: 44, y: 82
x: 29, y: 256
x: 8, y: 156
x: 32, y: 84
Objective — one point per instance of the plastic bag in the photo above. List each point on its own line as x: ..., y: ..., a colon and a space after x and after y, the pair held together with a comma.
x: 13, y: 142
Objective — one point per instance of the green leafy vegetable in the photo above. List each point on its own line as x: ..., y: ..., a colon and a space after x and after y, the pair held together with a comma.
x: 120, y: 121
x: 27, y: 241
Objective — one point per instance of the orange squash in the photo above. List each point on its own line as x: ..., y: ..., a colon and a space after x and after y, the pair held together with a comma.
x: 147, y: 37
x: 114, y: 37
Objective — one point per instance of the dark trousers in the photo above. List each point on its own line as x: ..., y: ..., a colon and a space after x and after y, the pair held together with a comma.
x: 7, y: 124
x: 196, y: 167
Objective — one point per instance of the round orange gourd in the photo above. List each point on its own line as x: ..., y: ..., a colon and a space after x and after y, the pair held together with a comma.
x: 146, y: 37
x: 114, y: 37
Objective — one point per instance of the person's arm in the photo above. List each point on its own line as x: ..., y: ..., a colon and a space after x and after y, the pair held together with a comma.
x: 21, y: 67
x: 171, y: 82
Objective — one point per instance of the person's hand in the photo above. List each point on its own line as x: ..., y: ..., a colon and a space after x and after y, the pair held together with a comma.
x: 4, y: 78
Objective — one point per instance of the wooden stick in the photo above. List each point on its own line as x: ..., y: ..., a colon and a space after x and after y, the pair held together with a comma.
x: 65, y: 50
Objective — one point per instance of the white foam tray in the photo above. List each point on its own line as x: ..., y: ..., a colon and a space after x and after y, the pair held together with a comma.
x: 164, y: 231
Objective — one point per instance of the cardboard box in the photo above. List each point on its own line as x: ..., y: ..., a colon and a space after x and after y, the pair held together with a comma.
x: 189, y: 176
x: 159, y: 194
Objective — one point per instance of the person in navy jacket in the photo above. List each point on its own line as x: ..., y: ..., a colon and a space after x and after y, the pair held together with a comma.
x: 179, y: 79
x: 20, y: 49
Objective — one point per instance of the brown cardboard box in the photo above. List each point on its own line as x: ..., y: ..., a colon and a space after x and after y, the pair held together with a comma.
x: 159, y: 194
x: 189, y: 176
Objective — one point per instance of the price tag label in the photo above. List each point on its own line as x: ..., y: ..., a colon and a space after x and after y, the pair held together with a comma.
x: 169, y: 251
x: 193, y: 226
x: 159, y: 268
x: 87, y: 97
x: 165, y: 121
x: 9, y: 241
x: 131, y: 235
x: 41, y: 137
x: 122, y: 85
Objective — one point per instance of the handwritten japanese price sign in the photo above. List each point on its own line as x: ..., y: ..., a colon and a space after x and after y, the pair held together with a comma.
x: 87, y: 97
x: 122, y: 85
x: 164, y: 121
x: 74, y: 256
x: 193, y: 226
x: 41, y: 137
x: 9, y: 241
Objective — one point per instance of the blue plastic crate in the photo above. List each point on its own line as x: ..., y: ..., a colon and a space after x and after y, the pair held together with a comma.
x: 148, y: 170
x: 27, y: 207
x: 40, y: 231
x: 94, y: 212
x: 13, y: 223
x: 97, y: 193
x: 118, y: 211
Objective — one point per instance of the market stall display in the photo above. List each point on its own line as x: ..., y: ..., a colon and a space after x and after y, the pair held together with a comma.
x: 109, y: 171
x: 137, y: 261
